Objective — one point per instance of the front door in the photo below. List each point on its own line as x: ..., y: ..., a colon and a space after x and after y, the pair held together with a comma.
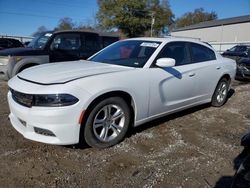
x: 65, y: 47
x: 172, y: 88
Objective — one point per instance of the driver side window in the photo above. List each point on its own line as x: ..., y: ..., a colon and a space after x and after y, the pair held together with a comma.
x: 66, y: 42
x: 177, y: 51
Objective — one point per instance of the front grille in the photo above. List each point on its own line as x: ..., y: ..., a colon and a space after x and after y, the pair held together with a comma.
x: 22, y: 98
x: 247, y: 65
x: 44, y: 132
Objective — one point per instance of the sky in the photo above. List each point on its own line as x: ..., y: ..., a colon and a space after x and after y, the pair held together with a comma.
x: 23, y: 17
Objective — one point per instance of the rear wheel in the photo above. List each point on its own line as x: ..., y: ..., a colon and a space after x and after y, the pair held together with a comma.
x: 221, y: 92
x: 107, y: 123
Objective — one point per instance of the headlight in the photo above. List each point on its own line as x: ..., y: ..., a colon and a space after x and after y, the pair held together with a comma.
x: 240, y: 65
x: 4, y: 60
x: 54, y: 100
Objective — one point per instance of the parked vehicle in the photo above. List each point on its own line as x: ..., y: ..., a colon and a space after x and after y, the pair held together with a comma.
x: 243, y: 69
x: 47, y: 47
x: 6, y: 43
x: 238, y: 51
x: 40, y: 40
x: 26, y: 43
x: 126, y: 84
x: 242, y: 176
x: 106, y: 39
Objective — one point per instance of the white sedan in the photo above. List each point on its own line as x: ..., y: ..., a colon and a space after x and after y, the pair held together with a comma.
x: 126, y: 84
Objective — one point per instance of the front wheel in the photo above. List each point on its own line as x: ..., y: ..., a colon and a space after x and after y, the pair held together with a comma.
x: 107, y: 123
x: 221, y: 92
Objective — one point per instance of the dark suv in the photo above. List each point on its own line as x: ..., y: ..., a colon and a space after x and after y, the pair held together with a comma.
x: 6, y: 43
x: 56, y: 47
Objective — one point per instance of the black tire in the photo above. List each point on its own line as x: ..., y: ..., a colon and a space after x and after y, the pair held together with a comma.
x: 91, y: 132
x: 218, y: 101
x: 241, y: 178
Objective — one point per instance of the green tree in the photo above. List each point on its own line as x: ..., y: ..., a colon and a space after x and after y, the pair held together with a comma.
x: 39, y: 30
x: 162, y: 14
x: 133, y: 17
x: 65, y: 24
x: 195, y: 17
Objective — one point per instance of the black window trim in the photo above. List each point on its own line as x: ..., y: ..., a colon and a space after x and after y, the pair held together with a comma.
x: 191, y: 53
x: 188, y: 50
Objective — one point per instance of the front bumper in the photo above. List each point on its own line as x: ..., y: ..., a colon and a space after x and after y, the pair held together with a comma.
x: 242, y: 74
x: 62, y: 122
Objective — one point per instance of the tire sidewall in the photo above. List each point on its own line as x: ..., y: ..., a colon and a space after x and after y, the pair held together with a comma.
x: 214, y: 98
x: 89, y: 135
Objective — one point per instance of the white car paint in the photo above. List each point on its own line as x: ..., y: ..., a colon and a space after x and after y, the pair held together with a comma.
x: 154, y: 91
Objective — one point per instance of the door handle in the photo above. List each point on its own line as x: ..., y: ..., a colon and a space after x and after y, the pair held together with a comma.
x: 191, y: 74
x: 218, y: 68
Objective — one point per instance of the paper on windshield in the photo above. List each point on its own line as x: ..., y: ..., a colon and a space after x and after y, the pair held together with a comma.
x: 150, y: 44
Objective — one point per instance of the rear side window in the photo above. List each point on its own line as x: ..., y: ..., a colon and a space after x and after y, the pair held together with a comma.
x: 200, y: 53
x: 92, y: 42
x: 16, y: 43
x: 4, y: 43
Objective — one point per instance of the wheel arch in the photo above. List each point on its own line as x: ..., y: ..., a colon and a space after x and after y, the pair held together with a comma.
x: 23, y: 65
x: 227, y: 76
x: 29, y: 61
x: 117, y: 93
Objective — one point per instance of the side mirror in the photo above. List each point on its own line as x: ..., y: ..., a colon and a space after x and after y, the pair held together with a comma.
x: 165, y: 62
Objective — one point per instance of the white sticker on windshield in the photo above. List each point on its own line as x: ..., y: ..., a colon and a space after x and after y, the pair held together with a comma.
x: 150, y: 44
x: 48, y: 34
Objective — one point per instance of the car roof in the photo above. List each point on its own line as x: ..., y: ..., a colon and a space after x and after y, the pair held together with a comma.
x: 172, y: 39
x: 101, y: 34
x: 75, y: 31
x: 247, y: 45
x: 10, y: 39
x: 165, y: 39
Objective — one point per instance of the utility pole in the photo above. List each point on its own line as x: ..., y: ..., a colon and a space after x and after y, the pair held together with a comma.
x: 152, y: 23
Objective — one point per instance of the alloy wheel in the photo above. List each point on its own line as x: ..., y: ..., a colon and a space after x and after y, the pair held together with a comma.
x: 108, y: 122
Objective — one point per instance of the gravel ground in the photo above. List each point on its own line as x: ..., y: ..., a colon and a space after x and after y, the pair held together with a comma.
x: 194, y: 148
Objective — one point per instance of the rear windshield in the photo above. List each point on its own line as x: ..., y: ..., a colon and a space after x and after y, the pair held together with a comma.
x: 131, y: 53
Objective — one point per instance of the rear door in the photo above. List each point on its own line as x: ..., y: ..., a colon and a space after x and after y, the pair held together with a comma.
x: 207, y: 70
x: 90, y: 45
x: 65, y: 47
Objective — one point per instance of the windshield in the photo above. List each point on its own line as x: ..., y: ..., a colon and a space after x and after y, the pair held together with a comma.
x: 131, y: 53
x: 39, y: 41
x: 238, y: 49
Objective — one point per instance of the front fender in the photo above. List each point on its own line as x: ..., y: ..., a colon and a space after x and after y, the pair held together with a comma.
x: 29, y: 60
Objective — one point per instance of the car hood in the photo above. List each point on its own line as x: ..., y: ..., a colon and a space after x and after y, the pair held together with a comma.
x: 22, y: 52
x: 63, y: 72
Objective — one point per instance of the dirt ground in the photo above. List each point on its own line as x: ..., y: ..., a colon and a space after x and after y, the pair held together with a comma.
x: 194, y: 148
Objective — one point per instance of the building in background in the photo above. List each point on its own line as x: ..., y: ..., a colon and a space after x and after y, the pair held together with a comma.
x: 221, y: 34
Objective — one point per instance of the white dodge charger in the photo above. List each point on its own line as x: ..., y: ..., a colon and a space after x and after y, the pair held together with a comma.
x: 126, y: 84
